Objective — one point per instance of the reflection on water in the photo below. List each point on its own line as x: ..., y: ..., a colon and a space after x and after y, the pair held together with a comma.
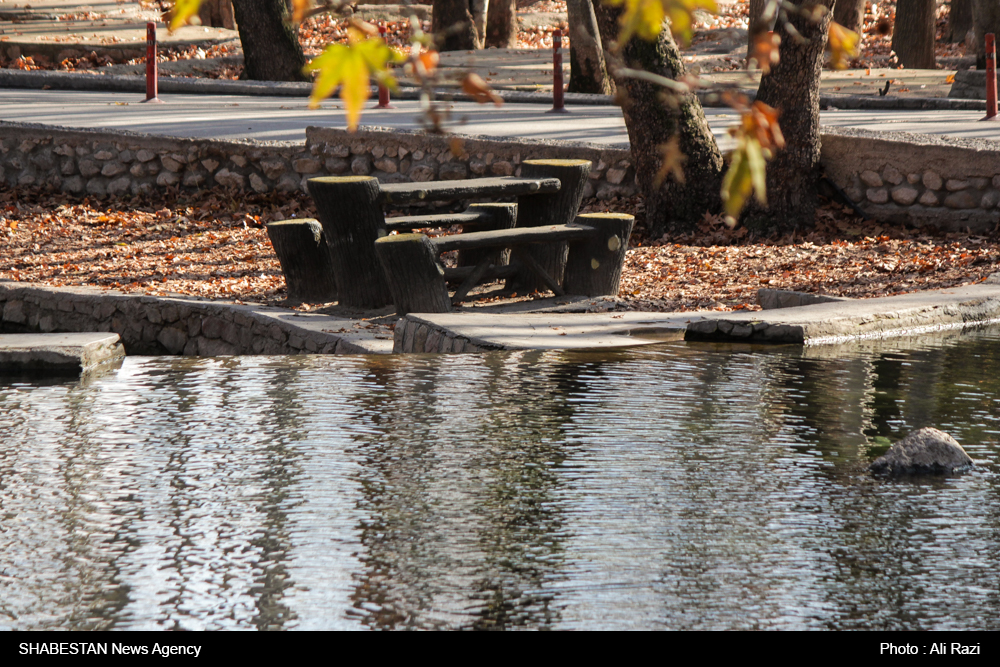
x: 686, y: 487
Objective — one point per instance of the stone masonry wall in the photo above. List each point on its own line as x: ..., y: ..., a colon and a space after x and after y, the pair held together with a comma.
x: 920, y: 179
x: 418, y: 337
x: 162, y: 325
x: 101, y: 163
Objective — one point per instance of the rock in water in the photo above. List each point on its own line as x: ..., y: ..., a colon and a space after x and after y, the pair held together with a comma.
x: 925, y: 451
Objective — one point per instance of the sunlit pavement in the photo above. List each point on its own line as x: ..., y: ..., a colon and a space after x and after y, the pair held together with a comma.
x: 285, y: 118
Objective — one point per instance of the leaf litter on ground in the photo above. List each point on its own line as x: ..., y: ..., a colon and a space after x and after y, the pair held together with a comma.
x: 214, y: 245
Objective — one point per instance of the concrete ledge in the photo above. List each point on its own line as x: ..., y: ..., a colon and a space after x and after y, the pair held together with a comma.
x: 58, y: 353
x: 823, y: 323
x: 183, y: 325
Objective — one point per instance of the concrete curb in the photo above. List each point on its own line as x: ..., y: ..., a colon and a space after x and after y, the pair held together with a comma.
x: 50, y: 79
x: 39, y: 79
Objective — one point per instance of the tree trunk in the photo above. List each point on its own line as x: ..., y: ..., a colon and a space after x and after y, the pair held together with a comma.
x: 453, y: 25
x: 673, y: 206
x: 217, y: 14
x: 913, y: 33
x: 480, y: 11
x: 588, y: 72
x: 793, y: 87
x: 271, y: 50
x: 986, y: 18
x: 959, y: 20
x: 850, y: 14
x: 501, y: 24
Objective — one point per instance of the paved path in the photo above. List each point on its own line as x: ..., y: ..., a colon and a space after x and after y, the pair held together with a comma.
x: 285, y: 118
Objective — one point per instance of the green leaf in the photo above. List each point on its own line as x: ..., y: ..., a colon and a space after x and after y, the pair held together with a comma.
x: 351, y: 67
x: 737, y: 184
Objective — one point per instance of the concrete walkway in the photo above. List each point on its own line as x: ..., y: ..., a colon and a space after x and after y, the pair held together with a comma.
x: 265, y: 118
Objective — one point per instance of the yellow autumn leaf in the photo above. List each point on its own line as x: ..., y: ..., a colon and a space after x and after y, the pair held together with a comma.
x: 299, y: 9
x: 351, y: 66
x: 183, y: 10
x: 474, y: 86
x: 737, y: 184
x: 758, y: 138
x: 842, y: 44
x: 765, y: 50
x: 645, y: 17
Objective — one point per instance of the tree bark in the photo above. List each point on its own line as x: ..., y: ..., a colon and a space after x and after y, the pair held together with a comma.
x: 480, y: 11
x: 986, y: 18
x: 793, y: 87
x: 959, y: 20
x: 217, y: 14
x: 501, y: 24
x: 913, y: 33
x: 673, y: 206
x: 453, y: 25
x: 271, y: 50
x: 850, y: 14
x: 588, y: 71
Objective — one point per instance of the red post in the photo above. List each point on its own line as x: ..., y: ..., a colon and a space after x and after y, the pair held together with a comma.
x: 991, y: 77
x: 151, y: 74
x: 557, y: 74
x: 383, y: 92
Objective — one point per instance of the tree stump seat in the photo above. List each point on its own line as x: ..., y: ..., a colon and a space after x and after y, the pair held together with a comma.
x: 351, y: 212
x: 417, y: 279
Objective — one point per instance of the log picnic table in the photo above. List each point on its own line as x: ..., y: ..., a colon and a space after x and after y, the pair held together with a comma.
x: 335, y: 258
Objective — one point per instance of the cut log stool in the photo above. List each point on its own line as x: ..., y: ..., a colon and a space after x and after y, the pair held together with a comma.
x: 596, y: 241
x: 556, y: 208
x: 305, y: 260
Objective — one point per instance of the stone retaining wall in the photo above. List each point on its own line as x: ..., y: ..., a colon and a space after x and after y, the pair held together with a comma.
x: 969, y: 84
x: 920, y: 179
x: 102, y: 163
x: 417, y: 337
x: 162, y: 325
x: 952, y: 183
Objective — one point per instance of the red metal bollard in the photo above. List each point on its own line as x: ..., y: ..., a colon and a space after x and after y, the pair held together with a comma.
x: 383, y: 92
x: 991, y: 77
x: 151, y: 74
x: 557, y: 74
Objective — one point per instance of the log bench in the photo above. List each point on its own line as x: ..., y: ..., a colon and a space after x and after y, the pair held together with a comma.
x: 351, y: 213
x: 417, y: 279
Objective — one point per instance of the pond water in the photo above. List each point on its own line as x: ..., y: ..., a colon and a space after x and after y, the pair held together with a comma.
x: 682, y: 486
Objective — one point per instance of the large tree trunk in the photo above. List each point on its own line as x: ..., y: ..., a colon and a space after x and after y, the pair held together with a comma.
x: 986, y: 17
x: 453, y: 25
x: 793, y: 87
x: 673, y: 206
x: 850, y: 14
x: 501, y: 24
x: 913, y: 33
x: 959, y: 20
x: 588, y: 72
x: 271, y: 50
x: 217, y: 14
